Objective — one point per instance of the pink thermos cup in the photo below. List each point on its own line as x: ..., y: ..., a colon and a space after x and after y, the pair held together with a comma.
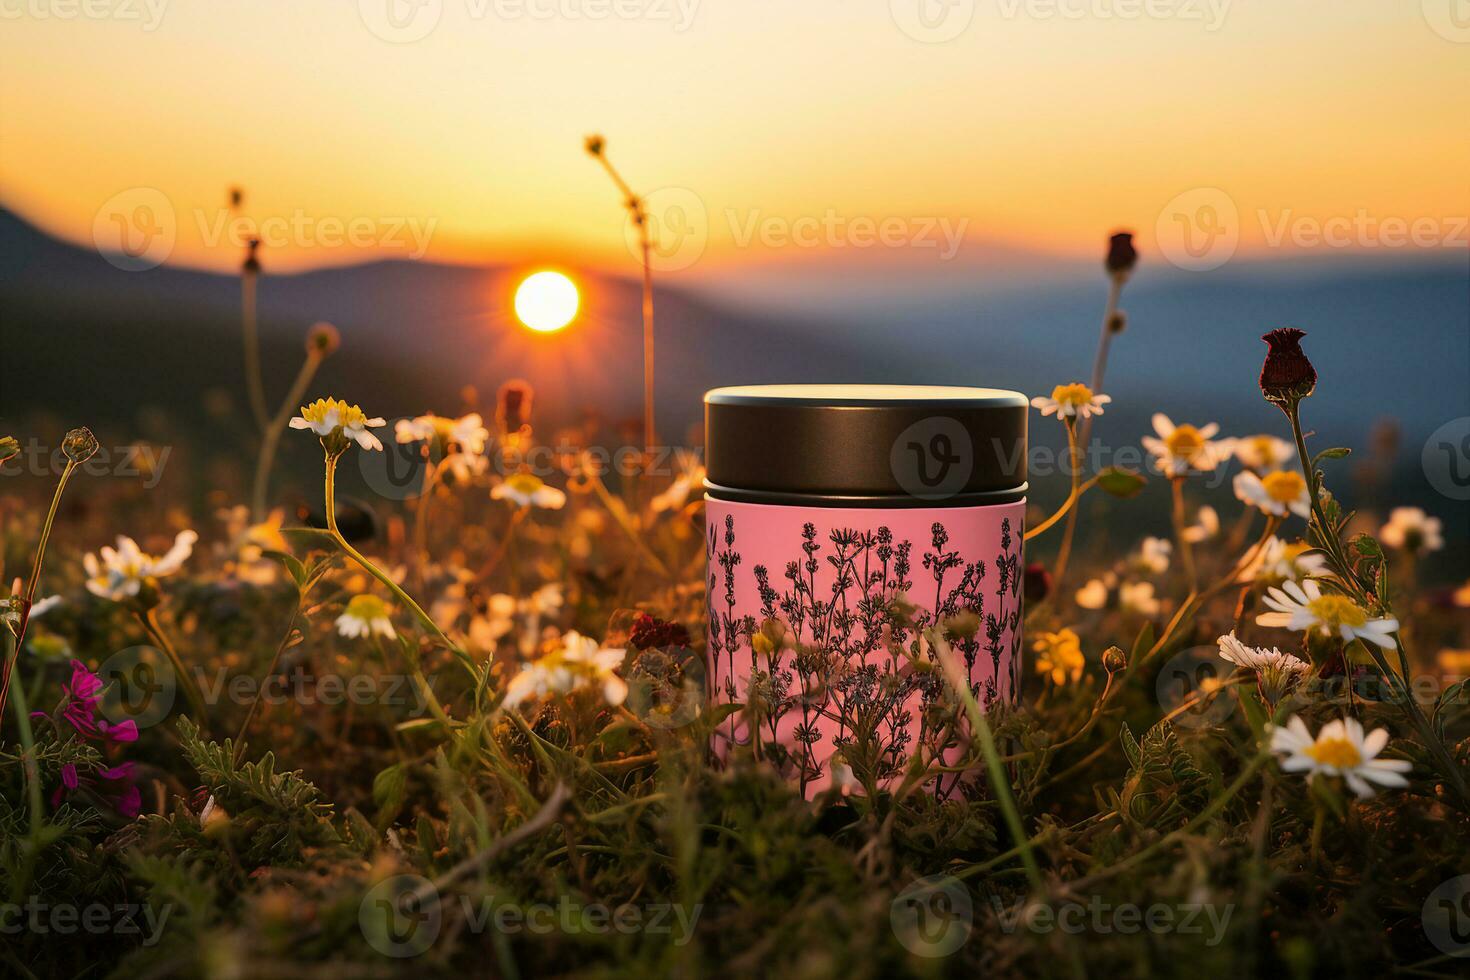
x: 828, y: 506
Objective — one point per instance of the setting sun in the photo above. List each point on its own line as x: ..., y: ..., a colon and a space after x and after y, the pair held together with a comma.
x: 546, y: 301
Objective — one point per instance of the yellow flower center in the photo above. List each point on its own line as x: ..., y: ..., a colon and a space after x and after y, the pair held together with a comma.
x: 1284, y: 486
x: 524, y: 483
x: 367, y: 607
x: 346, y: 414
x: 1337, y: 610
x: 1337, y: 752
x: 1185, y: 442
x: 1264, y: 448
x: 1074, y: 394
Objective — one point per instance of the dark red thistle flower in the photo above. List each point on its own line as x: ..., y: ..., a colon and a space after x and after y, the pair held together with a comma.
x: 649, y: 631
x: 1122, y: 256
x: 1287, y: 376
x: 1037, y: 582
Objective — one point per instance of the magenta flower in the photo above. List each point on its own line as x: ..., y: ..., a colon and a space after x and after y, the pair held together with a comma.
x: 123, y: 794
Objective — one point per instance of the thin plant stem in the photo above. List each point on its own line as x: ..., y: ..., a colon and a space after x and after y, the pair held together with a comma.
x: 260, y: 688
x: 32, y: 848
x: 30, y: 593
x: 1186, y: 550
x: 1065, y: 552
x: 999, y: 781
x: 253, y: 378
x: 403, y: 597
x: 149, y: 621
x: 1100, y: 362
x: 634, y: 204
x: 271, y: 437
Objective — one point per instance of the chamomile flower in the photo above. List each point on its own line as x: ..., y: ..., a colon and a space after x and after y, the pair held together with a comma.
x: 120, y: 573
x: 1059, y: 656
x: 1276, y: 493
x: 843, y: 779
x: 336, y: 421
x: 579, y: 662
x: 1263, y: 453
x: 1339, y: 749
x: 467, y: 433
x: 1411, y: 530
x: 1153, y: 555
x: 528, y: 490
x: 1073, y: 401
x: 365, y: 616
x: 1183, y: 449
x: 1279, y: 560
x: 1275, y: 671
x: 1303, y: 606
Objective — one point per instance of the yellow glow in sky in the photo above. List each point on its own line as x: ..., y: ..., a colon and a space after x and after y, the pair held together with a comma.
x: 762, y: 131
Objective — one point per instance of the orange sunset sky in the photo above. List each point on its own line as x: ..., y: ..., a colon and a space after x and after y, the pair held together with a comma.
x: 1039, y: 125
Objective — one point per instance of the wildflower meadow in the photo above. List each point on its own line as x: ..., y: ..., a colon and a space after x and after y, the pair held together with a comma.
x: 470, y: 730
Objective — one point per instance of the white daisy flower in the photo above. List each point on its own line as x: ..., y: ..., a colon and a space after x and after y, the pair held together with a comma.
x: 1259, y: 658
x: 1206, y: 526
x: 1275, y: 671
x: 580, y: 662
x: 1138, y: 597
x: 528, y: 490
x: 1153, y: 555
x: 1303, y: 606
x: 364, y: 616
x: 1339, y: 749
x: 1182, y: 449
x: 1263, y: 453
x: 1276, y: 493
x: 1073, y: 401
x: 1093, y: 595
x: 1411, y: 530
x: 1281, y: 561
x: 467, y: 433
x: 121, y: 573
x: 330, y: 418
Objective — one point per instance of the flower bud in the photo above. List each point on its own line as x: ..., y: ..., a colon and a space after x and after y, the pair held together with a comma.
x: 1286, y: 376
x: 252, y: 262
x: 593, y: 144
x: 1114, y: 659
x: 322, y: 339
x: 1118, y: 322
x: 8, y: 448
x: 1122, y: 257
x: 1037, y: 582
x: 963, y: 625
x: 79, y: 444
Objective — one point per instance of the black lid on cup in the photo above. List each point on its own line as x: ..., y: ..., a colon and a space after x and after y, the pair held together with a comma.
x: 865, y: 445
